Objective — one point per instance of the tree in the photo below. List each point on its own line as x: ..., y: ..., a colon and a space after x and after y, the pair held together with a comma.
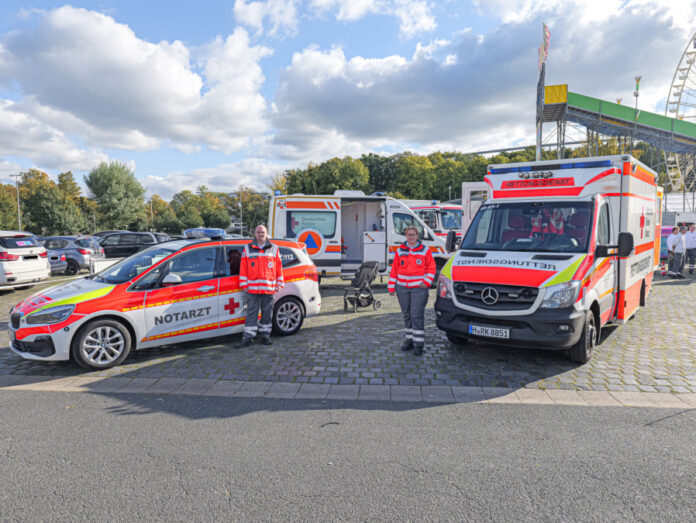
x: 279, y: 182
x: 253, y: 210
x: 381, y: 171
x: 8, y: 207
x: 69, y: 187
x: 119, y: 195
x: 211, y: 209
x: 164, y: 217
x: 415, y: 176
x: 50, y: 211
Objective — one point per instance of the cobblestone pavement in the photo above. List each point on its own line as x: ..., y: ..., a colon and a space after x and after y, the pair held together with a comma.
x: 654, y: 352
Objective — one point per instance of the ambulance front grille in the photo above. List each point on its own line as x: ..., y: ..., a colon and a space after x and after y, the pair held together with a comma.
x: 509, y: 297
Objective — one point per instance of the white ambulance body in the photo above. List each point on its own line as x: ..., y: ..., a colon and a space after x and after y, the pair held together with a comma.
x: 561, y: 249
x: 440, y: 217
x: 343, y: 230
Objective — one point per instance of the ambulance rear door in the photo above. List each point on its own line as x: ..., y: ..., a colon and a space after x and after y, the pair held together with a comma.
x: 316, y: 222
x: 473, y: 195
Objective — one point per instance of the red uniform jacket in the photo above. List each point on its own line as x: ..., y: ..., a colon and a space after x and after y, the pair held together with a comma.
x: 411, y: 267
x: 261, y: 269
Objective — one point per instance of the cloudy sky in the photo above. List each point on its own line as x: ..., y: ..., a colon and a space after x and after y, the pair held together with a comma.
x: 232, y: 92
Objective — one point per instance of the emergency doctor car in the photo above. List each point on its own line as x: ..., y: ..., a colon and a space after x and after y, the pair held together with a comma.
x: 170, y: 293
x: 561, y: 249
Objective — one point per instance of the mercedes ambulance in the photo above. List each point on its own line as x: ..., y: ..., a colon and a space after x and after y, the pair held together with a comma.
x: 348, y: 228
x: 560, y: 250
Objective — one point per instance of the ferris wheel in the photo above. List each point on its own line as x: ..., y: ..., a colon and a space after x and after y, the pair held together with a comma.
x: 681, y: 104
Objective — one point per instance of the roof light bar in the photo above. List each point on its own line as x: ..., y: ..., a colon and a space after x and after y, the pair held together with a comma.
x: 552, y: 167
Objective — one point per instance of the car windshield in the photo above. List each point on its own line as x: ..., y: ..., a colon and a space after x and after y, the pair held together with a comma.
x: 451, y: 218
x: 533, y: 226
x: 127, y: 269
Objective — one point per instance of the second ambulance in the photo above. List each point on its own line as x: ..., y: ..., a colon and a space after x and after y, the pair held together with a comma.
x: 560, y: 250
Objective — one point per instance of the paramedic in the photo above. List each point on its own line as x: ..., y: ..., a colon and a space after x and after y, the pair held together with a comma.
x: 260, y: 276
x: 412, y: 273
x: 676, y: 245
x: 691, y: 248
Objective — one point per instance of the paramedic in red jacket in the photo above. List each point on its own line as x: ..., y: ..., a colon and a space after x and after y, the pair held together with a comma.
x: 260, y: 277
x: 412, y: 273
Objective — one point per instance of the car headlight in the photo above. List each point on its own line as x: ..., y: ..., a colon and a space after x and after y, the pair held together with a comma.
x: 561, y: 295
x: 52, y: 315
x: 444, y: 287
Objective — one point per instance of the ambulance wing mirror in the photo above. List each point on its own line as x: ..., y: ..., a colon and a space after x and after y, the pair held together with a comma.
x: 171, y: 279
x: 451, y: 242
x: 625, y: 244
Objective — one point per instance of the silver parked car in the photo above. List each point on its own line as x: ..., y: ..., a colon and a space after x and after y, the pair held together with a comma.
x: 78, y: 250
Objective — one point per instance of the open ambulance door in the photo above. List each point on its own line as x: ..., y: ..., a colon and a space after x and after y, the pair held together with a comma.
x: 473, y: 195
x: 316, y: 222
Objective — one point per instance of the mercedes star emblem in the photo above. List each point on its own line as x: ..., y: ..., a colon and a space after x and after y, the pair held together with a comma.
x: 489, y: 296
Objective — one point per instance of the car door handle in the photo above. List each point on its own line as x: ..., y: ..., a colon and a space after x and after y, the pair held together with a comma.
x: 206, y: 288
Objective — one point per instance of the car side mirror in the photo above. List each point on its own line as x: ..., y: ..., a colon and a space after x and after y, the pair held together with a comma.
x: 625, y: 244
x: 451, y: 242
x: 171, y: 279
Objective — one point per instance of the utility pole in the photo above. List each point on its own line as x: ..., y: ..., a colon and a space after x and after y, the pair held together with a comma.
x: 19, y: 211
x: 241, y: 214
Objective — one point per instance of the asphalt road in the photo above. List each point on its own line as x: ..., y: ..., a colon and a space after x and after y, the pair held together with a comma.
x: 72, y: 456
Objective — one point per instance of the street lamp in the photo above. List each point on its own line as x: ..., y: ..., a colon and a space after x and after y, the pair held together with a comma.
x: 19, y: 211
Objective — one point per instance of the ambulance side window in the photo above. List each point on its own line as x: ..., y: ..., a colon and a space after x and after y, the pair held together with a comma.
x: 401, y: 221
x: 322, y: 221
x: 232, y: 260
x: 194, y: 265
x: 603, y: 230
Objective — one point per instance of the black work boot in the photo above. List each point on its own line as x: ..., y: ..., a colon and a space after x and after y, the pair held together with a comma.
x: 407, y: 345
x: 244, y: 343
x: 418, y: 349
x: 266, y: 340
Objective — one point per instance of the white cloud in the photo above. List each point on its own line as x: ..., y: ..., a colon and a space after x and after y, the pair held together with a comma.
x: 281, y: 15
x: 476, y: 91
x: 82, y: 73
x: 252, y: 172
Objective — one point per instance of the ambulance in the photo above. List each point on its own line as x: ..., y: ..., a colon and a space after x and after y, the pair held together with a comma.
x: 440, y: 217
x: 172, y: 292
x: 348, y: 228
x: 561, y: 249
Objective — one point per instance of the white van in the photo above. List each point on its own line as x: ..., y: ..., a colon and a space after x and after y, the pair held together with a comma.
x: 343, y: 230
x: 561, y: 249
x: 23, y: 260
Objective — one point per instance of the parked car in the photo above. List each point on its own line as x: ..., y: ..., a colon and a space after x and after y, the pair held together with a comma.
x: 22, y: 259
x: 122, y: 244
x: 78, y: 250
x: 101, y: 234
x: 58, y: 262
x: 170, y: 293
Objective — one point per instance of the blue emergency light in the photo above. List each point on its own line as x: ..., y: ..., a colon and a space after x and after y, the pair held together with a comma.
x: 552, y: 167
x: 203, y: 232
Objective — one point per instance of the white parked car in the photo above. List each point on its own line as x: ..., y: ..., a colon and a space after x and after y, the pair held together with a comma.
x: 23, y: 260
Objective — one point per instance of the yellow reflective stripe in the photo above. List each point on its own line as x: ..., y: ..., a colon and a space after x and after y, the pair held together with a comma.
x: 446, y: 271
x: 568, y: 273
x: 92, y: 295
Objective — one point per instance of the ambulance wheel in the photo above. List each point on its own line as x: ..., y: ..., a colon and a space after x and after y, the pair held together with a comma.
x: 457, y: 340
x: 101, y: 344
x: 288, y: 316
x: 581, y: 352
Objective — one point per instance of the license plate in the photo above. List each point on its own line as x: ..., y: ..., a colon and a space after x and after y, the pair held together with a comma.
x: 489, y: 332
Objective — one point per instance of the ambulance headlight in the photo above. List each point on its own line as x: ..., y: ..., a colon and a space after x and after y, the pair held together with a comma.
x: 561, y: 296
x: 444, y: 287
x: 52, y: 315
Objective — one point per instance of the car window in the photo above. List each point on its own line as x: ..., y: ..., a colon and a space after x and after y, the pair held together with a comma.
x: 322, y: 221
x: 127, y: 239
x: 288, y: 257
x: 195, y: 265
x: 85, y: 242
x: 132, y: 266
x: 401, y: 221
x: 19, y: 242
x: 110, y: 240
x: 603, y: 229
x: 145, y: 239
x: 233, y: 259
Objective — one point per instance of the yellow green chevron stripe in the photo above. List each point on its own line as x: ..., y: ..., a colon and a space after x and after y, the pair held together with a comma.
x: 91, y: 295
x: 567, y: 274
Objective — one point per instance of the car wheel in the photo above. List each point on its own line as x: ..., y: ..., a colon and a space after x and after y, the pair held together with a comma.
x: 288, y: 316
x: 581, y: 352
x: 101, y: 344
x: 457, y: 340
x: 72, y: 268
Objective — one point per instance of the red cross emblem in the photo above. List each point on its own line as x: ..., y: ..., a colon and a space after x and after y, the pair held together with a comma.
x: 231, y: 306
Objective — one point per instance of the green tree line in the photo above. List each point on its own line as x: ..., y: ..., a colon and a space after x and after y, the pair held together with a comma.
x: 115, y: 198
